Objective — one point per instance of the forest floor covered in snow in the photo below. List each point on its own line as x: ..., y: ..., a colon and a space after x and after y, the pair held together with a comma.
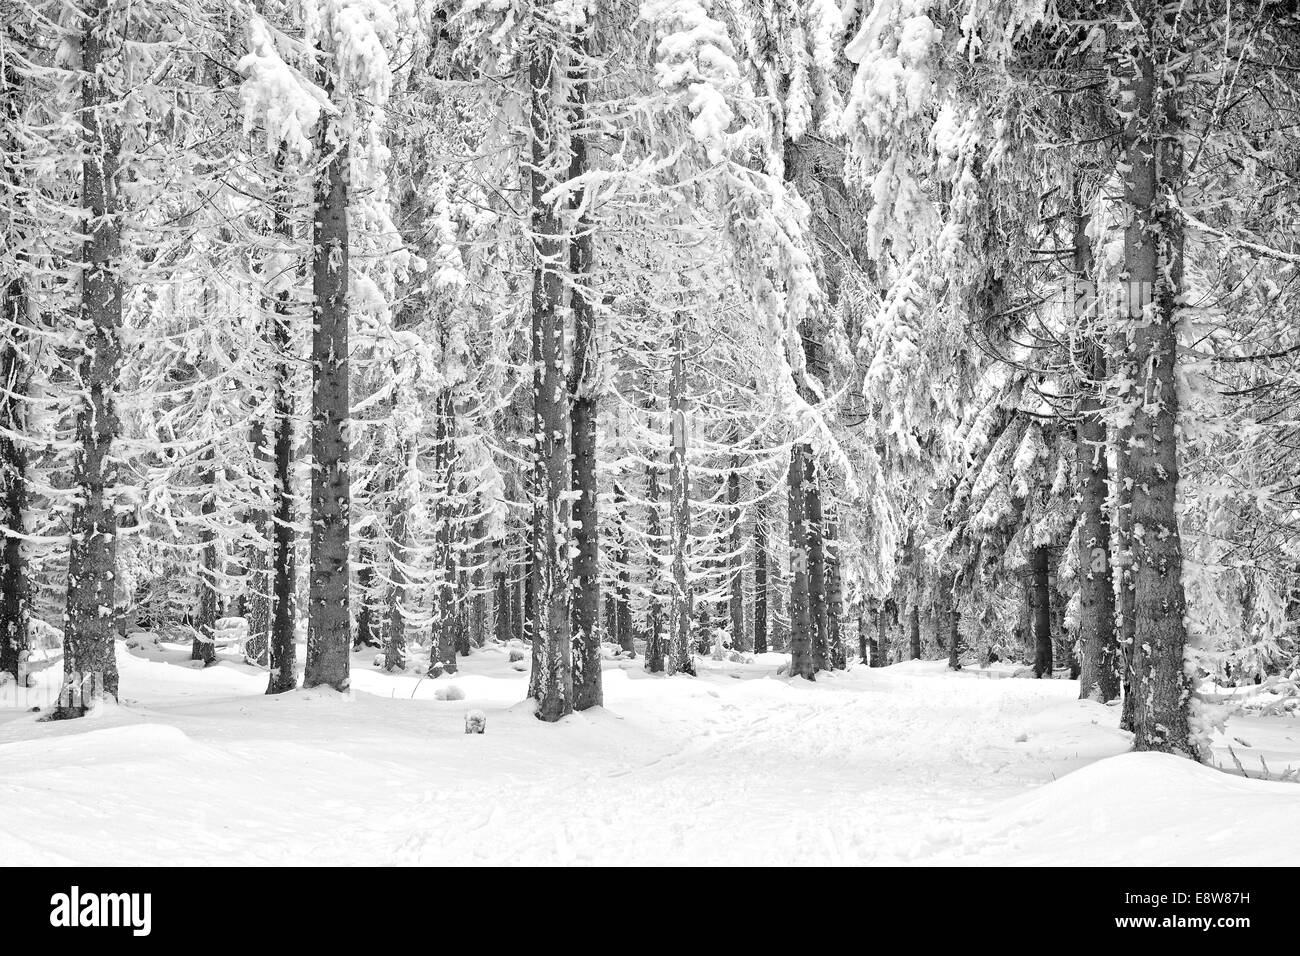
x: 910, y: 764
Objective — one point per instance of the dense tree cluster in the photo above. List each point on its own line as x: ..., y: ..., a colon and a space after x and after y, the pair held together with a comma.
x: 896, y: 329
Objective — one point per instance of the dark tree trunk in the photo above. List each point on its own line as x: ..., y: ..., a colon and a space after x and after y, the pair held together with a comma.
x: 282, y: 650
x: 369, y: 623
x: 736, y: 562
x: 203, y: 647
x: 817, y: 609
x: 1100, y: 667
x: 584, y: 379
x: 1042, y: 613
x: 442, y: 654
x: 89, y: 664
x: 678, y: 658
x: 914, y: 624
x: 866, y: 656
x: 655, y: 650
x: 834, y: 601
x: 623, y: 590
x: 552, y: 575
x: 15, y: 612
x: 1153, y: 256
x: 952, y: 622
x: 329, y: 617
x: 760, y: 579
x: 802, y: 639
x: 503, y: 596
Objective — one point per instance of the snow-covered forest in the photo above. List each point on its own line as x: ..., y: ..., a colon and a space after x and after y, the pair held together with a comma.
x: 792, y: 391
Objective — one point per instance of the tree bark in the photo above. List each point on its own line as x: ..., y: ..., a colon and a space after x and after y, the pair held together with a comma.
x: 1042, y: 613
x: 442, y: 654
x: 679, y: 657
x: 1099, y: 677
x: 802, y: 662
x: 1153, y: 258
x: 552, y: 661
x: 89, y: 665
x: 329, y: 617
x: 15, y: 601
x: 760, y: 579
x: 587, y: 690
x: 817, y: 608
x: 203, y: 647
x: 654, y: 638
x: 623, y: 588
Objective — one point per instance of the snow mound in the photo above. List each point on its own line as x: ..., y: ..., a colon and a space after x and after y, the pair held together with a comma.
x: 1150, y: 808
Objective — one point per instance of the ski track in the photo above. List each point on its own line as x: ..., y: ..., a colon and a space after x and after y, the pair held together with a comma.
x: 908, y: 764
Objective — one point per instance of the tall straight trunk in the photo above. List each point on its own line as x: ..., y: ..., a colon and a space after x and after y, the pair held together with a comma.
x: 834, y: 601
x: 329, y: 617
x: 584, y: 379
x: 736, y: 562
x: 15, y: 612
x: 1099, y: 677
x: 865, y: 655
x: 678, y: 656
x: 369, y: 621
x: 914, y: 628
x: 282, y: 650
x: 552, y: 576
x: 502, y: 595
x: 760, y: 579
x: 203, y: 647
x: 1153, y: 260
x: 654, y: 638
x: 817, y: 604
x: 399, y: 544
x: 478, y: 577
x: 89, y: 665
x: 880, y: 647
x: 802, y: 639
x: 951, y: 621
x: 623, y: 588
x: 442, y: 652
x: 257, y: 564
x: 1042, y: 612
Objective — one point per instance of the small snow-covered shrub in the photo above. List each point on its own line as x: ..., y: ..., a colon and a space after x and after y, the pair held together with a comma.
x: 516, y: 655
x: 475, y: 722
x: 450, y: 692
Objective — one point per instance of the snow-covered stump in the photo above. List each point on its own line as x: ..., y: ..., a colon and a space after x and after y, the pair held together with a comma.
x: 475, y: 722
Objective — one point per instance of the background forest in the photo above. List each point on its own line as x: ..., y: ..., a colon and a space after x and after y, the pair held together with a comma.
x: 660, y: 331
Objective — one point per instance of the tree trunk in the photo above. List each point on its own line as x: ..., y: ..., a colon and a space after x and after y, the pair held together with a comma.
x: 15, y: 612
x: 1153, y: 258
x: 587, y: 690
x: 914, y: 621
x: 442, y: 653
x: 817, y: 609
x: 369, y: 623
x: 834, y: 601
x: 89, y: 665
x: 622, y: 561
x: 282, y: 650
x: 654, y: 639
x: 203, y: 647
x: 329, y: 617
x: 952, y: 623
x: 679, y: 657
x: 1099, y: 677
x: 760, y: 579
x: 802, y: 638
x: 1042, y: 613
x: 552, y: 575
x: 736, y: 562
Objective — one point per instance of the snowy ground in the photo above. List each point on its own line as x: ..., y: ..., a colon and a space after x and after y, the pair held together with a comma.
x: 907, y: 764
